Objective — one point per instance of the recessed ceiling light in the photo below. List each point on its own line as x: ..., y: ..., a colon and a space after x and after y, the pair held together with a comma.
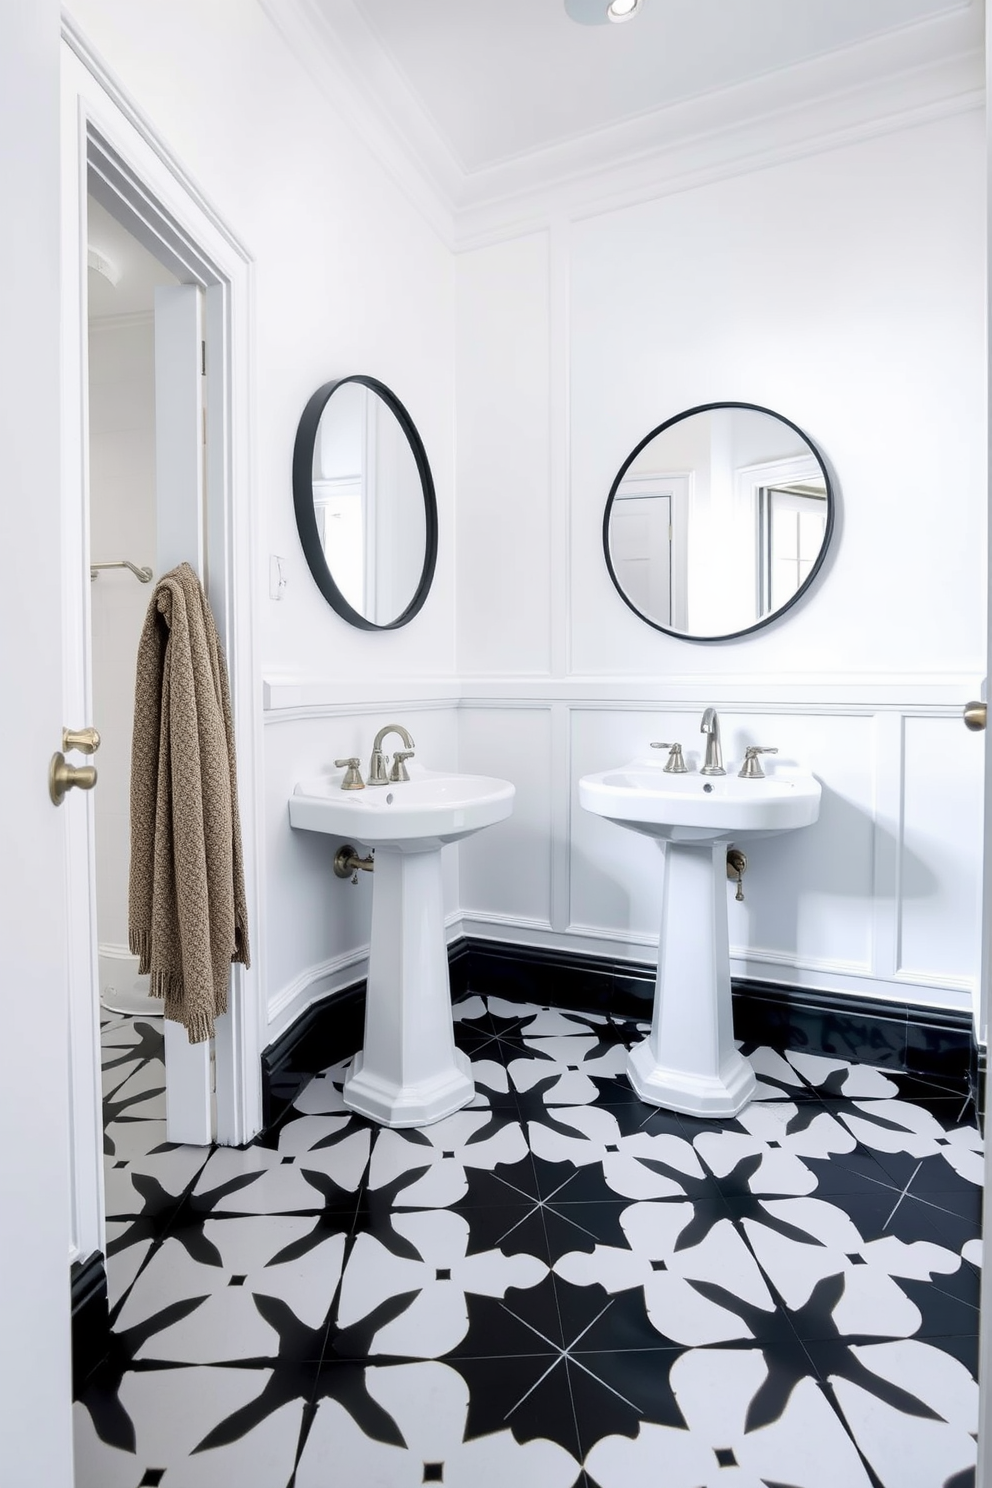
x: 599, y: 12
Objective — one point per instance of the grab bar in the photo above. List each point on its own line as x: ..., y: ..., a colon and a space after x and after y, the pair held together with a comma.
x: 144, y: 574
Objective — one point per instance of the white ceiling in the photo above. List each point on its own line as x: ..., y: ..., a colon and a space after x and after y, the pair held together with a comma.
x: 495, y: 114
x: 498, y: 79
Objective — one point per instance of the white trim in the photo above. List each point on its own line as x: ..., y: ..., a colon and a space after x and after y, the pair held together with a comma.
x: 916, y: 694
x: 742, y: 149
x: 85, y: 1084
x: 287, y: 698
x: 559, y: 272
x: 126, y: 106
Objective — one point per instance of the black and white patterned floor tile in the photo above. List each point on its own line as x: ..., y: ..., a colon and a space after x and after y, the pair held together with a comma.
x: 557, y: 1286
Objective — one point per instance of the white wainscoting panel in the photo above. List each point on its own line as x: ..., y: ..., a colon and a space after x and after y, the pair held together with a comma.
x: 940, y: 852
x: 506, y: 870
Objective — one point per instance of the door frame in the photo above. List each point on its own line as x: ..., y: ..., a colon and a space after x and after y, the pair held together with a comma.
x: 108, y: 146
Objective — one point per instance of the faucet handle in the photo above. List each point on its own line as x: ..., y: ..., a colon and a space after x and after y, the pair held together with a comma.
x: 676, y: 764
x: 399, y: 770
x: 751, y: 768
x: 352, y: 779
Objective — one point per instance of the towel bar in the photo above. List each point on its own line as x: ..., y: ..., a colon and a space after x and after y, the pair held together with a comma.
x: 144, y: 574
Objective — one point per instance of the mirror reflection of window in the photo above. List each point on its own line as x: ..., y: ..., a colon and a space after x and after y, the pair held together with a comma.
x: 340, y: 470
x: 341, y: 528
x: 368, y: 503
x: 791, y: 525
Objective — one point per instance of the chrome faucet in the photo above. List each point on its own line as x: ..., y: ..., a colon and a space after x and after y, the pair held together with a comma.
x: 377, y: 764
x: 710, y: 726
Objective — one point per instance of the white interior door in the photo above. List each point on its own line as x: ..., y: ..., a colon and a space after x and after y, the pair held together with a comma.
x: 179, y: 467
x: 641, y: 548
x: 35, y: 1210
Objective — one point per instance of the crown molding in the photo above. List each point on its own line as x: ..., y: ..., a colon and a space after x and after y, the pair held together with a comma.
x: 737, y: 146
x: 919, y: 72
x: 358, y: 80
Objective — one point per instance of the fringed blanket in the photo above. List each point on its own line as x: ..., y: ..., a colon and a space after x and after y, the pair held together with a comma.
x: 186, y: 899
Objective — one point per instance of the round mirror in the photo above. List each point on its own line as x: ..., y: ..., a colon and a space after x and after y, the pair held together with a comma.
x: 718, y: 521
x: 365, y: 505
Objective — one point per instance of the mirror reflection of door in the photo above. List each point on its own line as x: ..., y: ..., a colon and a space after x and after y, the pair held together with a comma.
x: 648, y: 544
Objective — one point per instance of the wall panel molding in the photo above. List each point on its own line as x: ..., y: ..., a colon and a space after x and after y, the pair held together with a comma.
x: 285, y: 698
x: 913, y: 693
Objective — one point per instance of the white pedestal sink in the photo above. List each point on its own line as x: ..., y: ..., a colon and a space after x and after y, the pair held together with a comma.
x: 409, y: 1072
x: 689, y: 1061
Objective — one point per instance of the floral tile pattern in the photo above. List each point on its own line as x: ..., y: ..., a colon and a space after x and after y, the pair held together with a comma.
x: 558, y: 1286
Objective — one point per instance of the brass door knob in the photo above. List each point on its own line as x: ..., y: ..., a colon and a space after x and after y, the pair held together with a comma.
x: 86, y: 740
x: 63, y: 777
x: 975, y: 716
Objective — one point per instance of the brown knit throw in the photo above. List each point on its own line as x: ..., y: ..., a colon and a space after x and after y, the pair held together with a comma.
x: 186, y: 898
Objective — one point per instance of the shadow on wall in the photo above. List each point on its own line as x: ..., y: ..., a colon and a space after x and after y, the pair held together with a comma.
x: 844, y: 855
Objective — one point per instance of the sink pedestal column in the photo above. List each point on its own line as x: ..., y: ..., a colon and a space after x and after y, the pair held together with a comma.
x: 689, y: 1062
x: 409, y: 1072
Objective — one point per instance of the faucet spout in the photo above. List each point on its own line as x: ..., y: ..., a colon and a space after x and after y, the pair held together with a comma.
x: 377, y: 763
x: 710, y: 726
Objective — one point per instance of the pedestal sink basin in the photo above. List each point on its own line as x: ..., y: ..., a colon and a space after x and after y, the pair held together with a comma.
x: 689, y: 1061
x: 409, y: 1072
x: 700, y: 808
x: 413, y: 816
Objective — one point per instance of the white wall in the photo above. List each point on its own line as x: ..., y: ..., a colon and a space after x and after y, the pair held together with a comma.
x: 844, y: 290
x: 348, y: 277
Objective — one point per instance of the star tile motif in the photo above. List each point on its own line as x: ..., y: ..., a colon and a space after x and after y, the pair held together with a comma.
x: 558, y: 1286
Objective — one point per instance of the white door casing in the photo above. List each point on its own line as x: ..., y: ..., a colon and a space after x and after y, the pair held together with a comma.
x: 179, y: 513
x: 109, y: 148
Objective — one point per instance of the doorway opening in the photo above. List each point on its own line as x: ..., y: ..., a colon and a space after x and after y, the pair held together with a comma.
x: 122, y: 279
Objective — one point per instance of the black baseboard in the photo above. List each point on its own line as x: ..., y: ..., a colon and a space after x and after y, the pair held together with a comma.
x: 329, y: 1030
x: 979, y: 1073
x: 934, y: 1042
x: 90, y: 1316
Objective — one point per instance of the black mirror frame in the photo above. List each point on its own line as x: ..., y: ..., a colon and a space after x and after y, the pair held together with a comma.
x: 306, y: 521
x: 681, y: 635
